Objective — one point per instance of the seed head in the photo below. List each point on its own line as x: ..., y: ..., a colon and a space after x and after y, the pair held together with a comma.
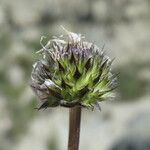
x: 72, y: 72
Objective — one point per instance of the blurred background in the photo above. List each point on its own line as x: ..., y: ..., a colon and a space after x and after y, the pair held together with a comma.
x: 123, y: 26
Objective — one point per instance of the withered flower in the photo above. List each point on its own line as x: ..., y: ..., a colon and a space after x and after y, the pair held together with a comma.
x: 72, y: 72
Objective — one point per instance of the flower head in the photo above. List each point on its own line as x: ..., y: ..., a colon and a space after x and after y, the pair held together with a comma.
x: 72, y: 72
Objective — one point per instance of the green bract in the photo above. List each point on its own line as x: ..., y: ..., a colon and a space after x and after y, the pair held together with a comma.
x: 72, y: 72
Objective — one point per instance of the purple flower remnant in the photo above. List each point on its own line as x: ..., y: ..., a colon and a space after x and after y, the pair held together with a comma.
x: 72, y: 72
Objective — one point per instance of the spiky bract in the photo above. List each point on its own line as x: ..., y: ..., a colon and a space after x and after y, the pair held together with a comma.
x: 72, y: 72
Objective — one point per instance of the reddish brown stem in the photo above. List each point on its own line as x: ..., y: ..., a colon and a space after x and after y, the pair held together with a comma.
x: 74, y: 128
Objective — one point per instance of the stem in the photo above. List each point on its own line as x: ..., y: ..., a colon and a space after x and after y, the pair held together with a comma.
x: 74, y: 128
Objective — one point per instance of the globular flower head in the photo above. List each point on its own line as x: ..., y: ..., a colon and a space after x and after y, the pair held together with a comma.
x: 72, y: 72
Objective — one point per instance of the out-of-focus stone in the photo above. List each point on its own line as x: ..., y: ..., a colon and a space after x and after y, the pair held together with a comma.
x: 137, y: 136
x: 15, y: 75
x: 100, y: 10
x: 138, y: 9
x: 144, y: 74
x: 132, y: 143
x: 2, y: 16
